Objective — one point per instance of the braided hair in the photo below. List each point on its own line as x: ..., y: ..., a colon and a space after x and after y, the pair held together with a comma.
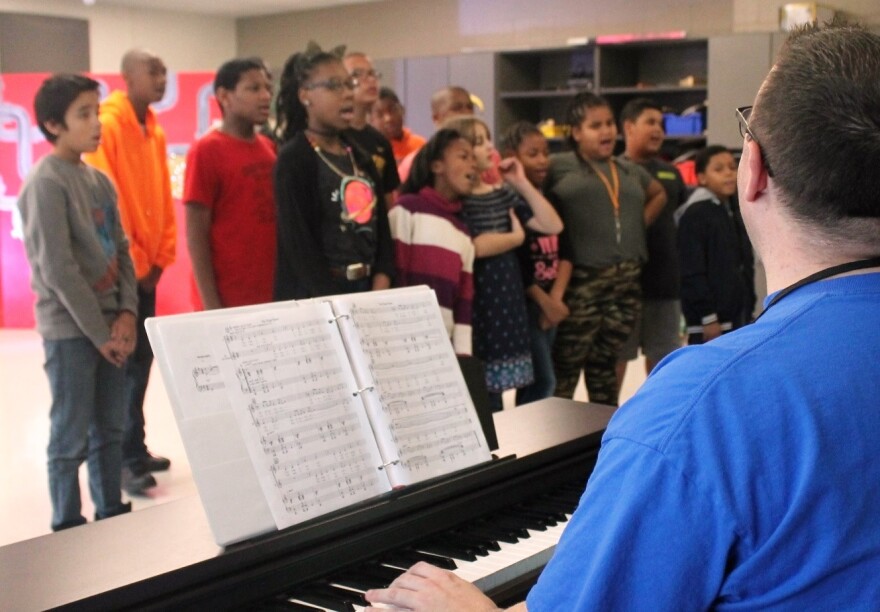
x: 290, y: 114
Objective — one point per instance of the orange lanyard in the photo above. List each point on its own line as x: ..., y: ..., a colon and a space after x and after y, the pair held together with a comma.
x: 613, y: 191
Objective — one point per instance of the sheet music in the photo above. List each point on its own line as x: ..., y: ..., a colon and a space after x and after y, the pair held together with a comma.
x: 421, y: 406
x: 221, y: 467
x: 292, y: 391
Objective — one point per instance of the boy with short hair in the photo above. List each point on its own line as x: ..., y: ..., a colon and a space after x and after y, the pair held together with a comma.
x: 86, y: 305
x: 717, y: 267
x: 387, y: 117
x: 228, y: 190
x: 657, y: 330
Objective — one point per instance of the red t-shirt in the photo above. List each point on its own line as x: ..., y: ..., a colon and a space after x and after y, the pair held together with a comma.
x: 233, y: 178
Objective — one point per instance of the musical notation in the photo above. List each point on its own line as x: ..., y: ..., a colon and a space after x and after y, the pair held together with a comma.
x: 421, y: 396
x: 292, y: 391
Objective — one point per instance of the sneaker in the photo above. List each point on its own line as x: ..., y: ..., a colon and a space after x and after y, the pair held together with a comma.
x: 153, y: 463
x: 136, y: 484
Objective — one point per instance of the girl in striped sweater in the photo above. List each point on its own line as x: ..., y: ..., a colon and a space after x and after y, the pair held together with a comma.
x: 432, y: 245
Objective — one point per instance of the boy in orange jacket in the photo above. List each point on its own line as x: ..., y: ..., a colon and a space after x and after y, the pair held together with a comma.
x: 133, y: 154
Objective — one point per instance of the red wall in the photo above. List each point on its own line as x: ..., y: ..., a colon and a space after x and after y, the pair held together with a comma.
x: 183, y: 113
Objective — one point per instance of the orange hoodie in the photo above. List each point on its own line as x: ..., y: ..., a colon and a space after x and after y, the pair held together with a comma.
x: 137, y: 163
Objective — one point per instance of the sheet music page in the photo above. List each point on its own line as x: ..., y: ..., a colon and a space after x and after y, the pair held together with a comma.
x: 221, y: 467
x: 421, y: 406
x: 294, y: 397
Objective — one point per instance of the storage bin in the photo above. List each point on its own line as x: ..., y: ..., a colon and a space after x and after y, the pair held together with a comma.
x: 683, y: 125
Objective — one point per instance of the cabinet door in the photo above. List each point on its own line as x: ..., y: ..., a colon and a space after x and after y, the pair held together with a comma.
x: 476, y: 73
x: 423, y: 76
x: 737, y: 67
x: 393, y: 75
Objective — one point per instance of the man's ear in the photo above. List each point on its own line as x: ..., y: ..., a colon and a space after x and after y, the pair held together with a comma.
x: 756, y: 181
x: 437, y: 166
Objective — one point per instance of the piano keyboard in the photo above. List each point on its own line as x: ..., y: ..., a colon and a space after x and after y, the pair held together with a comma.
x: 489, y: 552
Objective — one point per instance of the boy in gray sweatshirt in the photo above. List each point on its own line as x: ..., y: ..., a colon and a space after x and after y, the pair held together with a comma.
x: 83, y: 277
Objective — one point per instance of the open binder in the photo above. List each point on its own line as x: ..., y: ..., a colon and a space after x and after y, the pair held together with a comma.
x: 291, y: 410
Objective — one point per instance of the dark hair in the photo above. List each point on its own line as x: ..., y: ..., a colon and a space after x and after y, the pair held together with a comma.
x: 633, y: 109
x: 817, y: 119
x: 514, y: 136
x: 420, y: 174
x: 386, y: 93
x: 577, y: 109
x: 290, y: 114
x: 704, y: 155
x: 229, y: 74
x: 55, y: 96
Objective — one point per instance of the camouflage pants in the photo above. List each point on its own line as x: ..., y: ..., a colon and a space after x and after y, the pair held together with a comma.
x: 604, y: 303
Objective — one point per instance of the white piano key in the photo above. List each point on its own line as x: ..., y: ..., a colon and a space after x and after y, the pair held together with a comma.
x: 513, y: 560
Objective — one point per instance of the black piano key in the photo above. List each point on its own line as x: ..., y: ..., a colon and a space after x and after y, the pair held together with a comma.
x: 446, y: 549
x: 382, y: 573
x: 355, y: 598
x: 481, y: 549
x: 322, y: 601
x: 498, y: 534
x: 526, y: 522
x: 521, y: 522
x: 544, y: 517
x: 360, y: 582
x: 518, y: 530
x: 468, y: 538
x: 406, y: 558
x: 550, y: 505
x: 282, y: 605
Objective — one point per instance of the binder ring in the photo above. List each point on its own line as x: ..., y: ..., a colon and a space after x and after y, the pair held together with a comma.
x: 359, y: 391
x: 337, y: 317
x: 385, y: 465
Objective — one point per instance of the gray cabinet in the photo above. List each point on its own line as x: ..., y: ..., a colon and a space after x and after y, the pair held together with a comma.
x: 737, y: 67
x: 415, y: 80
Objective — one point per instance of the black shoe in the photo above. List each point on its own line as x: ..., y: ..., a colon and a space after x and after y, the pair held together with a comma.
x: 152, y: 463
x: 136, y: 484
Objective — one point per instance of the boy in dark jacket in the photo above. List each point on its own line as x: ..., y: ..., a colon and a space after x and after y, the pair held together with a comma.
x: 717, y: 267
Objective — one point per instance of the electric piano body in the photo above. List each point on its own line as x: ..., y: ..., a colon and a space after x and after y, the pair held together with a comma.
x: 165, y: 558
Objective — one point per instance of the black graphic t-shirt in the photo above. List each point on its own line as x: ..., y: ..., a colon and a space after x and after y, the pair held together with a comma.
x: 349, y: 212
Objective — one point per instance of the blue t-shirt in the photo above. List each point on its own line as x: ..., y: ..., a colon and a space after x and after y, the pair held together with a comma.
x: 744, y: 475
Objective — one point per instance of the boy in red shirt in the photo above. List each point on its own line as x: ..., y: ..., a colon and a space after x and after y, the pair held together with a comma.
x: 230, y: 206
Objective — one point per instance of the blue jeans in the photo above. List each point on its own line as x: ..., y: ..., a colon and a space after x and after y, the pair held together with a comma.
x: 86, y: 425
x: 541, y: 343
x: 137, y: 376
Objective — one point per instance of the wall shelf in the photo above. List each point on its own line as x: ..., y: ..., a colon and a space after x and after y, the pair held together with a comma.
x: 537, y: 85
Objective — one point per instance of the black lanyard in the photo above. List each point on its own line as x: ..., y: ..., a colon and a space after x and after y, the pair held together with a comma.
x: 861, y: 264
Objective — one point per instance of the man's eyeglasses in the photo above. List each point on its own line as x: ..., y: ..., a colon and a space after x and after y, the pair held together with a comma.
x: 334, y: 85
x: 742, y: 115
x: 361, y: 75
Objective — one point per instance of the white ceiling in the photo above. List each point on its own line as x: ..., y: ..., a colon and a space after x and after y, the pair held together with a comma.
x: 230, y: 8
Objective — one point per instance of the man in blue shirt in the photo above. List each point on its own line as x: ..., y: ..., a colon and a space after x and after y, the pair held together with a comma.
x: 745, y: 474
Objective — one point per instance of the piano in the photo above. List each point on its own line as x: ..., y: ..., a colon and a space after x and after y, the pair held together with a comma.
x: 496, y: 523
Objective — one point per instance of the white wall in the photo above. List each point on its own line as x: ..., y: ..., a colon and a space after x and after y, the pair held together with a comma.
x: 402, y: 28
x: 406, y: 28
x: 186, y: 41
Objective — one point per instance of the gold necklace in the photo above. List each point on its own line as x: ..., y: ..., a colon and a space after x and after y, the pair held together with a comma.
x: 333, y: 166
x: 347, y: 216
